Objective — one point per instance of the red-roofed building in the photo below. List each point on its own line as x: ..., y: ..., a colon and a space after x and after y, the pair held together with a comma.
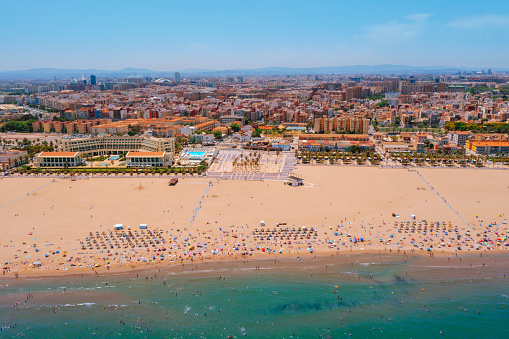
x: 58, y: 159
x: 488, y: 146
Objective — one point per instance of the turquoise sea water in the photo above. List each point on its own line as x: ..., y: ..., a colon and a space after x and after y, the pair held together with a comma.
x: 349, y: 296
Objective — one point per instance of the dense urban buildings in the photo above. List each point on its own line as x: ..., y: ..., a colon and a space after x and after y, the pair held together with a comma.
x: 463, y: 113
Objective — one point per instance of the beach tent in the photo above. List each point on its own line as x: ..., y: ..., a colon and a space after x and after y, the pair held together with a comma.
x: 143, y: 226
x: 118, y: 226
x: 262, y: 223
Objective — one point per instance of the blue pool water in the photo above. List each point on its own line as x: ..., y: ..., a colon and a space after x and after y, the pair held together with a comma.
x: 105, y: 164
x: 115, y: 157
x: 195, y: 154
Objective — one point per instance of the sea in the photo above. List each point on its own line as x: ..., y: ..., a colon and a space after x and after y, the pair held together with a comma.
x: 341, y: 296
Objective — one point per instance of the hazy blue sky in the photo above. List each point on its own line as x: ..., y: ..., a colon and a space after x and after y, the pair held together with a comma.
x: 172, y: 35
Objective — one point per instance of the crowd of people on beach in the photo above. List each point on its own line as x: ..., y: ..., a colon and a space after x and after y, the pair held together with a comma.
x: 132, y: 248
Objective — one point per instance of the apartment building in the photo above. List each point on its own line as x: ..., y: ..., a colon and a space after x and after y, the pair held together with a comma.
x: 353, y: 93
x: 487, y: 146
x: 230, y: 119
x: 337, y: 142
x: 119, y: 127
x: 459, y: 137
x: 351, y: 124
x: 207, y: 126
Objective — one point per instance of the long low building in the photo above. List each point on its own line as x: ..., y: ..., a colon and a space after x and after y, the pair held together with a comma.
x: 340, y: 146
x: 107, y: 145
x: 395, y: 147
x: 487, y: 146
x: 227, y: 120
x: 149, y: 159
x: 58, y: 159
x: 334, y: 137
x: 334, y: 142
x: 10, y: 158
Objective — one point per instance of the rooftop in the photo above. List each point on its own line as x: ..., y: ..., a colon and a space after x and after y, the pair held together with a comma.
x: 145, y: 154
x: 490, y: 143
x: 58, y: 154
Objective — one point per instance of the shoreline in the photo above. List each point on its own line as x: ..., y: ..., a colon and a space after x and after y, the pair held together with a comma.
x: 206, y: 265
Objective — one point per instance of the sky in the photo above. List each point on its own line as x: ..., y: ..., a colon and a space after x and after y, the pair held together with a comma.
x: 176, y: 35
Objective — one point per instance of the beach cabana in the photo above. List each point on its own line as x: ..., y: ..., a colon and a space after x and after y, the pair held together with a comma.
x: 143, y: 226
x: 118, y: 226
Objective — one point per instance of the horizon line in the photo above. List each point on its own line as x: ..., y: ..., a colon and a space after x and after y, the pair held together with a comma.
x: 254, y: 68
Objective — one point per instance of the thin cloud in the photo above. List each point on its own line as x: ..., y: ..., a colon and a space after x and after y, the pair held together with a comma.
x: 396, y: 31
x: 391, y: 31
x: 482, y: 21
x: 418, y: 17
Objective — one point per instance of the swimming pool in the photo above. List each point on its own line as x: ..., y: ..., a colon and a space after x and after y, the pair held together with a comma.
x: 195, y: 154
x: 105, y: 164
x: 115, y: 157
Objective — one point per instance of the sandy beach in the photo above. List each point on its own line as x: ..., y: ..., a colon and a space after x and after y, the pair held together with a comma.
x: 66, y: 226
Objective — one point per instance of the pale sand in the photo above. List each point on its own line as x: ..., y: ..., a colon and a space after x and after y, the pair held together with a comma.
x: 465, y: 187
x: 359, y: 198
x: 12, y: 189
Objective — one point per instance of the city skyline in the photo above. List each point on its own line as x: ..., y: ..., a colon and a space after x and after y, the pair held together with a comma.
x: 171, y: 36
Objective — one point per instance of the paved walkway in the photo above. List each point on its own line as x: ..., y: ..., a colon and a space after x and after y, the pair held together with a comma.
x: 197, y: 209
x: 38, y: 188
x: 443, y: 199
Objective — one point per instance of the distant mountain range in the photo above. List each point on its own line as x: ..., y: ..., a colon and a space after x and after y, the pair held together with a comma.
x: 48, y: 73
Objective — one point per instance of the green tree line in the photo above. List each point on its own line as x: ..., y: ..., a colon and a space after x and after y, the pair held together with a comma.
x: 492, y: 127
x: 21, y: 124
x: 17, y: 126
